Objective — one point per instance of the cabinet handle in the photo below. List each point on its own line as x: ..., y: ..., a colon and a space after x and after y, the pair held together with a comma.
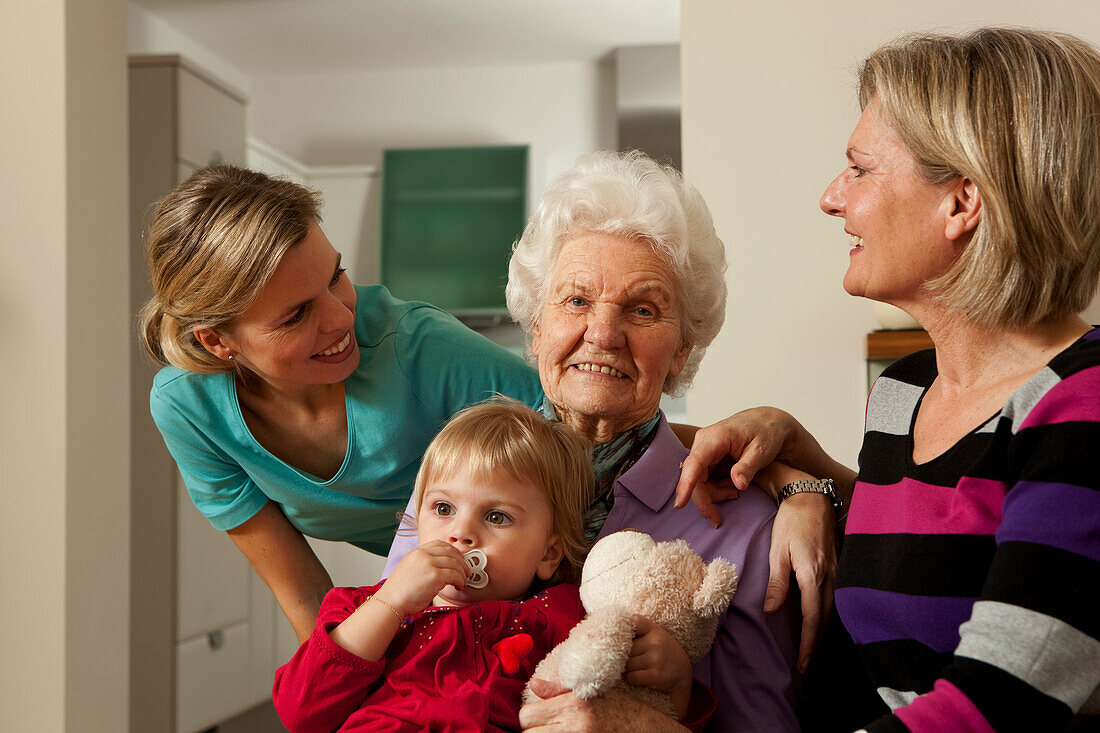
x: 216, y: 639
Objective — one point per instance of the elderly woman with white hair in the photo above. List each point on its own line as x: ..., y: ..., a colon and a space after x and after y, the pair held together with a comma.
x: 619, y: 284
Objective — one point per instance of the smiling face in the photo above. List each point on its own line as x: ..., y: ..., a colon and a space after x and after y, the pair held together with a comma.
x: 608, y: 334
x: 896, y: 219
x: 507, y: 519
x: 300, y: 331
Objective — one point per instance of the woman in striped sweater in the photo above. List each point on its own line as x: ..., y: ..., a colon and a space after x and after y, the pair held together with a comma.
x: 970, y: 573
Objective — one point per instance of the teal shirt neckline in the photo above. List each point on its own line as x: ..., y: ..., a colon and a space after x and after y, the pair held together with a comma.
x: 235, y: 400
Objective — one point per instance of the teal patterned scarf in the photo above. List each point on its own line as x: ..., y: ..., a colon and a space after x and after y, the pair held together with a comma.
x: 609, y: 461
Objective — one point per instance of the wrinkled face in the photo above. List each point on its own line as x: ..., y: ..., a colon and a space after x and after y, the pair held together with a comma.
x: 301, y: 330
x: 608, y: 334
x: 507, y: 519
x: 895, y: 219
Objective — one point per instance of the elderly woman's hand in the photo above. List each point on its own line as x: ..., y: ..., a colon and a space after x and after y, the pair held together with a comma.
x: 559, y: 709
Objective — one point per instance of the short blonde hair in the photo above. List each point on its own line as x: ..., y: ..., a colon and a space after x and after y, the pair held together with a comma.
x: 1016, y: 112
x: 627, y: 195
x: 213, y: 244
x: 503, y: 436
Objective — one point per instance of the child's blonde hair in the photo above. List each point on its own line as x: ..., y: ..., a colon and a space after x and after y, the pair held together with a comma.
x: 502, y: 435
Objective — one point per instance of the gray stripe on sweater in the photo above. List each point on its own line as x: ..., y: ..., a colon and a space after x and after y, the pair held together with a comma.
x: 896, y: 698
x: 890, y: 410
x: 1042, y: 651
x: 1024, y: 399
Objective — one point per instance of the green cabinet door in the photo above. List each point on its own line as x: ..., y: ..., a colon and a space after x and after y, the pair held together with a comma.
x: 449, y: 219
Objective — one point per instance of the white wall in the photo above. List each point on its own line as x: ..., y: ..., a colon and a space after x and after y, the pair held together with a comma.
x: 350, y: 118
x: 647, y: 78
x: 768, y: 103
x: 64, y: 425
x: 560, y: 110
x: 148, y: 34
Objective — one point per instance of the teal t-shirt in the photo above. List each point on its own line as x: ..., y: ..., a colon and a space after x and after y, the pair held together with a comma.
x: 417, y: 367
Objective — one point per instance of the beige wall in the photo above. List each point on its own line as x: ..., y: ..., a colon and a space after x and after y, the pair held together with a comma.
x: 64, y: 390
x: 768, y: 103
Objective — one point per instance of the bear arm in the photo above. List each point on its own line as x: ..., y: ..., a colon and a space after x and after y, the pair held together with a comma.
x: 592, y: 660
x: 718, y: 587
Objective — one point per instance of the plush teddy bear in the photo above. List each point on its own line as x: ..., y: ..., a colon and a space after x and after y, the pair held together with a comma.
x: 629, y: 573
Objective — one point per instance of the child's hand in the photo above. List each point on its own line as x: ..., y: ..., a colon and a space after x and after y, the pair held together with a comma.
x: 421, y: 574
x: 659, y: 662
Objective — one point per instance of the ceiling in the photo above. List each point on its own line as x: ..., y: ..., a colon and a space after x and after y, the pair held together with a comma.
x: 274, y: 37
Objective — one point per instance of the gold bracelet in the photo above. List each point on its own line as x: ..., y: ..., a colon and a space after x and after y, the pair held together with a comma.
x: 400, y: 618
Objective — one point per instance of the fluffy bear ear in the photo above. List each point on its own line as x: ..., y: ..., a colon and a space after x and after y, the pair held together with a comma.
x: 719, y: 584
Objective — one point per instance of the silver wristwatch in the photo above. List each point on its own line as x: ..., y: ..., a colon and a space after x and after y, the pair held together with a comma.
x: 813, y: 486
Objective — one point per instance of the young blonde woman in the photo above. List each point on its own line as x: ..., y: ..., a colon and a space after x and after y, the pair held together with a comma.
x: 294, y: 402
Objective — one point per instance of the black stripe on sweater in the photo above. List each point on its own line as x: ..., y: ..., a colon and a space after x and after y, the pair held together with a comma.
x: 1007, y: 702
x: 922, y: 664
x: 900, y: 562
x: 1048, y: 580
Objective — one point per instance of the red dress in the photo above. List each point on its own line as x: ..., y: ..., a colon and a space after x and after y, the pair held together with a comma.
x: 447, y: 669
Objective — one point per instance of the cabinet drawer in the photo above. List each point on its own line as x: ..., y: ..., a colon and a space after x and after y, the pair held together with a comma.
x: 212, y: 679
x: 212, y: 574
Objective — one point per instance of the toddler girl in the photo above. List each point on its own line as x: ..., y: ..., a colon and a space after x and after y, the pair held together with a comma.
x: 450, y: 639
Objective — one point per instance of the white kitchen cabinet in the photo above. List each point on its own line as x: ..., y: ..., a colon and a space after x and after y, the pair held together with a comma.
x: 212, y: 677
x: 207, y: 635
x: 191, y: 607
x: 212, y: 576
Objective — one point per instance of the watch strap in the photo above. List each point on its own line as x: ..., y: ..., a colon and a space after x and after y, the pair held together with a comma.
x: 813, y: 486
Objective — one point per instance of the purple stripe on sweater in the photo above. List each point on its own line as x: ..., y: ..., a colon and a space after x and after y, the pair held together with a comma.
x: 1093, y: 335
x: 1072, y: 399
x: 944, y: 710
x: 1059, y: 515
x: 910, y: 506
x: 878, y: 615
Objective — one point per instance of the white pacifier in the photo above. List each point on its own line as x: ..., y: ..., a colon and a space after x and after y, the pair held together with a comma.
x: 475, y: 560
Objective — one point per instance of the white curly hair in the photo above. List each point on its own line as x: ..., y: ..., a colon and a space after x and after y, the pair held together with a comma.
x: 627, y: 195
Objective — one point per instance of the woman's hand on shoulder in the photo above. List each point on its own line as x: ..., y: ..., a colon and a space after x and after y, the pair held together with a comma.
x: 804, y: 532
x: 421, y: 574
x: 726, y: 456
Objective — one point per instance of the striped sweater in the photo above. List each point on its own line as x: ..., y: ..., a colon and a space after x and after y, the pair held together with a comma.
x: 971, y: 583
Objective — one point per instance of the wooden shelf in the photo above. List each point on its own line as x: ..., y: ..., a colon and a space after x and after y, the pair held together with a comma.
x: 896, y: 344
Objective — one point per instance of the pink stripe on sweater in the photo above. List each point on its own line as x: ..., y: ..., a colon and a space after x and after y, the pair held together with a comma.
x: 944, y: 710
x: 972, y: 507
x: 1072, y: 399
